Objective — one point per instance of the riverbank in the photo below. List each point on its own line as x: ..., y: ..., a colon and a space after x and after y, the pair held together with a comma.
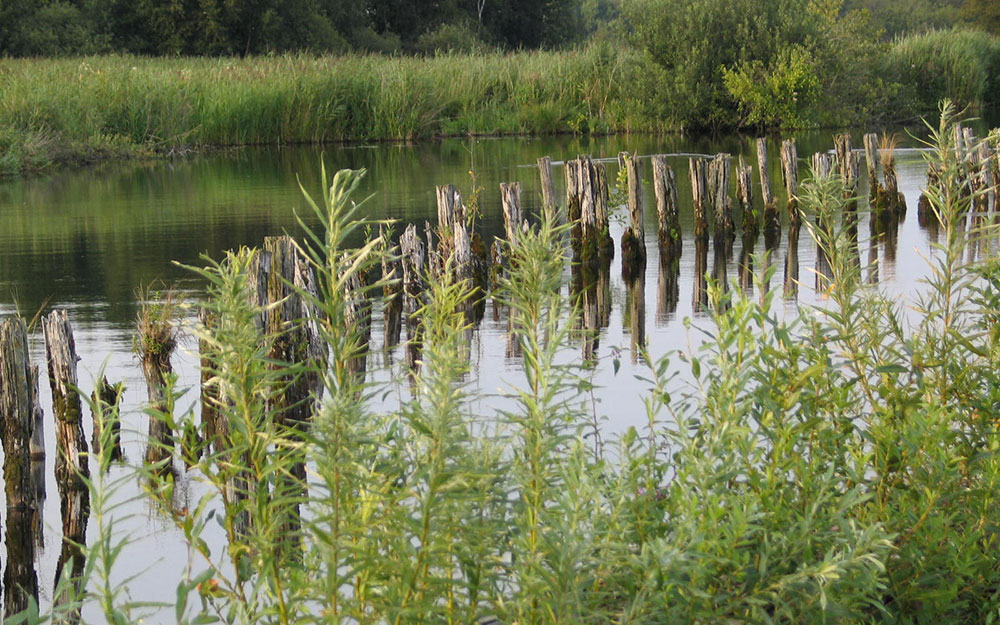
x: 74, y: 111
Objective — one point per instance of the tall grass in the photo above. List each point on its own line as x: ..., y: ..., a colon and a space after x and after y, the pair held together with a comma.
x: 840, y: 465
x: 960, y: 64
x: 96, y: 105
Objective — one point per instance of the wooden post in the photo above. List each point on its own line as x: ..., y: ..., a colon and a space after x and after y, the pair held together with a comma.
x: 981, y: 184
x: 60, y: 352
x: 510, y: 199
x: 157, y: 337
x: 412, y: 249
x: 605, y: 244
x: 71, y: 462
x: 871, y: 162
x: 718, y: 192
x: 771, y: 221
x: 668, y: 232
x: 392, y: 292
x: 37, y: 444
x: 894, y: 201
x: 744, y: 192
x: 18, y: 403
x: 548, y: 187
x: 105, y: 399
x: 633, y: 240
x: 821, y: 165
x: 698, y: 170
x: 790, y: 175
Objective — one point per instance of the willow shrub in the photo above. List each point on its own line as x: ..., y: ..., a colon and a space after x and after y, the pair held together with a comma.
x: 838, y: 465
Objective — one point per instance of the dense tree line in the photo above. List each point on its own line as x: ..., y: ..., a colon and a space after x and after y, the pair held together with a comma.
x: 242, y: 27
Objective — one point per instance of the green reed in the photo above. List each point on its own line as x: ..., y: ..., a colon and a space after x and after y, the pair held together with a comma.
x: 839, y: 465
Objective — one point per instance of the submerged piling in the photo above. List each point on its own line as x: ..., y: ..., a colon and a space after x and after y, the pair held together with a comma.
x: 719, y: 173
x: 548, y: 187
x: 790, y: 176
x: 668, y: 231
x: 60, y: 352
x: 634, y: 238
x: 698, y: 171
x: 772, y: 223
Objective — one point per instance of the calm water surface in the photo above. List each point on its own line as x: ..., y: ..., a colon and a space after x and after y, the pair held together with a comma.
x: 88, y: 240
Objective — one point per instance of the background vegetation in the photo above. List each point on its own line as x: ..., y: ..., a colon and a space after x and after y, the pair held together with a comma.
x: 175, y: 75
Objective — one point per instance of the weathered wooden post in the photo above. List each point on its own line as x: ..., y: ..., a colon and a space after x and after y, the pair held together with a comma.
x: 849, y: 166
x: 157, y: 338
x: 871, y: 163
x: 790, y: 175
x: 981, y: 178
x: 719, y: 169
x: 605, y: 244
x: 668, y: 230
x: 744, y: 193
x: 60, y: 352
x: 71, y: 461
x: 549, y: 202
x: 510, y: 200
x: 18, y: 408
x: 634, y: 238
x: 894, y: 202
x: 548, y: 187
x: 105, y: 400
x: 698, y: 170
x: 18, y: 403
x: 772, y: 223
x: 821, y: 165
x: 412, y: 249
x: 392, y: 292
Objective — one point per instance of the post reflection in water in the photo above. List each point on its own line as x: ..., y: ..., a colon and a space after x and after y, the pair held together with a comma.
x: 791, y: 286
x: 635, y: 294
x: 667, y: 287
x: 699, y: 290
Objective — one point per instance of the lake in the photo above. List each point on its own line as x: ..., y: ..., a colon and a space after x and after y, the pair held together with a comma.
x: 89, y: 240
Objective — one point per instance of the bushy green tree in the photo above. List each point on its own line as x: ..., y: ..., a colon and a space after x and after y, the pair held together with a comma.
x: 736, y: 62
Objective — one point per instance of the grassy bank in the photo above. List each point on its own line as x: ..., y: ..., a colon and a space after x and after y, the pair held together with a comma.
x: 61, y: 111
x: 72, y: 109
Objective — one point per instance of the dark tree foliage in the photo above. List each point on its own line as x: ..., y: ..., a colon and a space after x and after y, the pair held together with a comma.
x: 242, y: 27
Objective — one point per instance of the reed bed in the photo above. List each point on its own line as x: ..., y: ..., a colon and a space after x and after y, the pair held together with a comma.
x: 90, y: 107
x: 959, y: 64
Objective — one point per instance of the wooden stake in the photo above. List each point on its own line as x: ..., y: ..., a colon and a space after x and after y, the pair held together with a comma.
x: 60, y: 352
x: 790, y: 176
x: 698, y: 170
x: 718, y: 191
x: 18, y: 403
x: 668, y: 232
x: 744, y: 192
x: 510, y: 200
x: 633, y: 240
x: 548, y: 187
x: 772, y: 223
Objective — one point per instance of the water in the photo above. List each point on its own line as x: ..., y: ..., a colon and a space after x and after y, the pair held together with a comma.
x: 89, y: 240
